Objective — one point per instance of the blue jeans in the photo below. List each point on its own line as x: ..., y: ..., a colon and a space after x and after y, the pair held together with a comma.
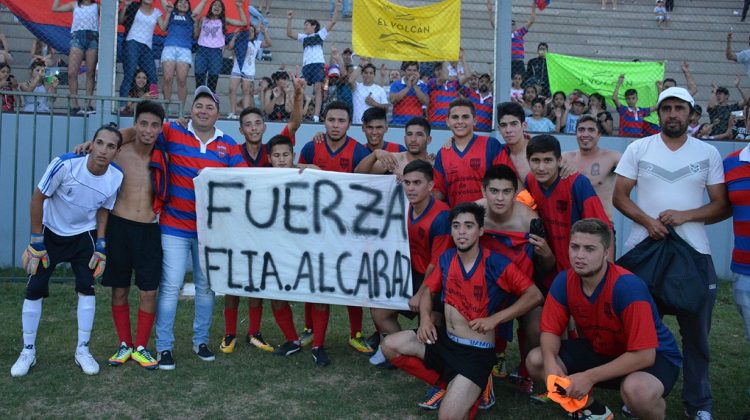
x: 136, y: 55
x: 346, y: 10
x: 176, y: 251
x: 741, y: 291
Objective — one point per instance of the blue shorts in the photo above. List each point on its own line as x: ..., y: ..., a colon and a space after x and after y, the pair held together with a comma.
x: 313, y: 73
x: 84, y: 40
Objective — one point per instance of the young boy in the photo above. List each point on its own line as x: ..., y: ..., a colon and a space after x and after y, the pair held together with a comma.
x: 538, y: 123
x: 631, y: 116
x: 662, y: 16
x: 570, y: 117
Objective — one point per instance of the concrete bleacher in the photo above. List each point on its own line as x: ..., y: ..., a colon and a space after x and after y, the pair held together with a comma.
x: 576, y: 27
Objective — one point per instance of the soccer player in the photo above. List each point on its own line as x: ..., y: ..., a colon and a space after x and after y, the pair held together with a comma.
x: 68, y: 211
x: 338, y: 153
x: 134, y: 239
x: 460, y: 167
x: 375, y: 125
x: 560, y: 201
x: 408, y: 95
x: 429, y: 237
x: 511, y: 124
x: 416, y: 137
x: 623, y: 345
x: 480, y: 290
x: 593, y: 162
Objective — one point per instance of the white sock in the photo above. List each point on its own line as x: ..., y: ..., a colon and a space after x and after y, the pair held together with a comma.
x: 378, y: 357
x: 30, y: 315
x: 86, y: 309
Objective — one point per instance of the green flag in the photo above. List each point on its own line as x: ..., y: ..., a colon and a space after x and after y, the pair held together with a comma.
x: 567, y: 73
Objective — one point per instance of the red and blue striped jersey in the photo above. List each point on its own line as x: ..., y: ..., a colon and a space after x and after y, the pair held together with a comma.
x: 493, y: 283
x: 517, y: 51
x: 458, y: 174
x: 345, y: 159
x: 429, y: 234
x: 262, y: 160
x: 187, y: 156
x: 737, y: 177
x: 514, y: 245
x: 619, y: 317
x: 631, y: 121
x: 483, y: 108
x: 388, y: 147
x: 440, y: 98
x: 565, y: 202
x: 409, y: 106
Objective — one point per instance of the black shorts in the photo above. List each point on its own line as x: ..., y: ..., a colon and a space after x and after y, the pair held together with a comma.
x: 76, y: 250
x: 133, y: 246
x: 450, y: 359
x: 579, y: 356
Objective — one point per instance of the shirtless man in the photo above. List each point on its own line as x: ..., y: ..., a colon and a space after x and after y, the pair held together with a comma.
x: 416, y: 138
x: 460, y: 355
x: 134, y: 240
x: 593, y: 162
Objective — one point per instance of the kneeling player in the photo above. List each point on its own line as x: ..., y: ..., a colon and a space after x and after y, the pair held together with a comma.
x: 624, y: 344
x: 474, y: 284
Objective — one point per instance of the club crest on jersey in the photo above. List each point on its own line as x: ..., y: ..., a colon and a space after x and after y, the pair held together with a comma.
x: 608, y: 310
x: 561, y: 206
x: 478, y: 292
x: 221, y: 150
x: 421, y: 232
x: 344, y: 163
x: 475, y: 163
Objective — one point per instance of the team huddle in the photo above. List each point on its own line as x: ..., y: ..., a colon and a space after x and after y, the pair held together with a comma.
x: 497, y: 232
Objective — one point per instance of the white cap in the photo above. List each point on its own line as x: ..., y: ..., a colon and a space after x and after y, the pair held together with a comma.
x: 205, y: 89
x: 676, y: 92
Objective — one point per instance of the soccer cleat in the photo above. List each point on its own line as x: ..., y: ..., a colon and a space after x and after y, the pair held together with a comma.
x: 433, y: 398
x: 595, y: 411
x: 203, y: 352
x: 540, y: 398
x: 374, y: 340
x: 258, y: 341
x: 166, y: 361
x: 378, y: 358
x: 359, y: 343
x: 487, y: 399
x: 288, y: 349
x: 227, y: 344
x: 144, y: 358
x: 306, y: 337
x: 26, y: 360
x: 121, y: 356
x: 86, y: 361
x: 320, y: 357
x: 500, y: 370
x: 525, y: 385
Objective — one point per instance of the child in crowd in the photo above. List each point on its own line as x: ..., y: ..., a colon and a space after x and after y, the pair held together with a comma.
x: 84, y: 44
x: 245, y: 74
x: 516, y: 91
x: 597, y: 104
x: 574, y: 107
x: 211, y: 31
x: 264, y: 85
x: 631, y: 116
x: 313, y: 59
x: 7, y: 82
x: 5, y: 56
x: 694, y: 125
x: 556, y: 106
x: 139, y: 21
x: 662, y: 16
x: 141, y: 89
x: 38, y: 83
x: 529, y: 95
x: 538, y: 123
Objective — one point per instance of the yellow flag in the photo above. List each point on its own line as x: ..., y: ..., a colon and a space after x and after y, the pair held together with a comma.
x: 381, y: 29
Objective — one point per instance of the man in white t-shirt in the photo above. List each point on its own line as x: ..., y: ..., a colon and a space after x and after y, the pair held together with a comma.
x: 673, y: 171
x: 69, y: 211
x: 742, y: 57
x: 366, y: 94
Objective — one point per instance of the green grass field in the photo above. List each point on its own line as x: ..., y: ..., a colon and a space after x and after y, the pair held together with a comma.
x: 254, y: 384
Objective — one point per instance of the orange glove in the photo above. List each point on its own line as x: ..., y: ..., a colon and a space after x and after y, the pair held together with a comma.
x: 556, y: 386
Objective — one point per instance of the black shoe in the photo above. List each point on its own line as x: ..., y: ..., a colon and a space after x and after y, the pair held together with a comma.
x: 166, y: 362
x: 320, y: 357
x: 287, y: 349
x: 203, y: 352
x: 374, y: 340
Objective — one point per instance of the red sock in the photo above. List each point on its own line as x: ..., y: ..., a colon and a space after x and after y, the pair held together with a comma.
x: 320, y: 325
x: 523, y: 351
x: 230, y: 321
x: 415, y: 367
x: 285, y: 321
x: 121, y: 316
x: 253, y: 319
x: 474, y: 409
x: 308, y: 316
x: 143, y: 332
x: 355, y: 319
x: 500, y: 344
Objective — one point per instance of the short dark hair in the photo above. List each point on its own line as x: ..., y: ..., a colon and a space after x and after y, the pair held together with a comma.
x: 542, y: 44
x: 513, y: 109
x: 374, y: 113
x: 669, y: 79
x: 559, y: 92
x: 369, y: 66
x: 407, y: 64
x: 278, y: 75
x: 421, y: 166
x: 591, y: 118
x: 468, y: 207
x: 112, y: 128
x: 500, y: 172
x: 279, y: 140
x: 631, y: 92
x: 338, y: 105
x: 722, y: 89
x: 315, y: 23
x: 538, y: 101
x: 593, y: 227
x: 420, y: 121
x: 250, y: 110
x: 149, y: 107
x: 543, y: 143
x: 699, y: 110
x: 462, y: 102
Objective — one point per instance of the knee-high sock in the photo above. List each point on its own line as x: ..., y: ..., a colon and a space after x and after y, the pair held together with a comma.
x: 308, y: 315
x: 230, y: 321
x: 320, y: 325
x: 121, y: 318
x: 415, y: 367
x: 355, y: 319
x: 143, y: 332
x: 523, y: 351
x: 254, y: 315
x: 86, y: 311
x: 285, y: 321
x: 30, y: 316
x: 500, y: 344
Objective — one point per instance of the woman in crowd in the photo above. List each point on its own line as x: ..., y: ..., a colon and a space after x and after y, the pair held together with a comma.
x: 211, y: 32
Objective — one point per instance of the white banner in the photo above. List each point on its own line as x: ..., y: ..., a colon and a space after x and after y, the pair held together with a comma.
x: 315, y: 236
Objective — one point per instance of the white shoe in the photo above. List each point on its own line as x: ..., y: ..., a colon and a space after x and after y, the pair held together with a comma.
x: 232, y: 116
x: 86, y: 361
x: 378, y: 357
x: 703, y: 415
x: 25, y: 361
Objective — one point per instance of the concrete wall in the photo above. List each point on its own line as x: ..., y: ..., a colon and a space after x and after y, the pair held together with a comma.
x: 28, y: 143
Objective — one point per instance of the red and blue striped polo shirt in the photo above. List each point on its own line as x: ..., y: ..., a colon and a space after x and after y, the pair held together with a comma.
x: 737, y: 177
x: 517, y: 51
x: 440, y: 97
x: 483, y: 107
x: 409, y: 106
x: 631, y: 120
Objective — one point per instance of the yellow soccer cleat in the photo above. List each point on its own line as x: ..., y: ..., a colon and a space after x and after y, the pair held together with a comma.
x: 227, y: 344
x: 121, y: 356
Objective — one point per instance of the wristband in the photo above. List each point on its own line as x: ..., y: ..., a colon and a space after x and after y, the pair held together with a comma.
x: 36, y: 238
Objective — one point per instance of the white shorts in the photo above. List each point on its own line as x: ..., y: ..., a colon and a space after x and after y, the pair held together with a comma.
x: 178, y: 54
x: 248, y: 69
